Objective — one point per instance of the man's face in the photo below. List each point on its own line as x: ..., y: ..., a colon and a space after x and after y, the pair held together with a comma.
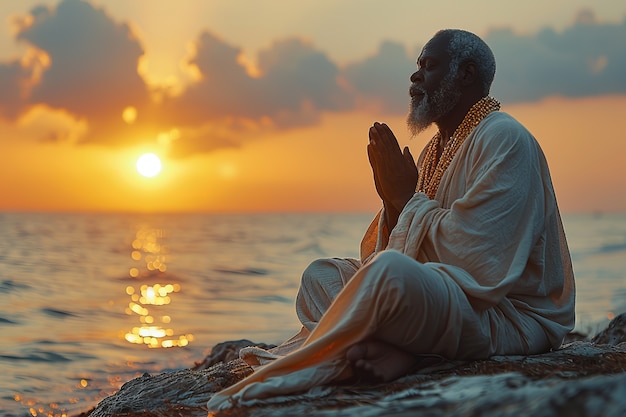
x: 434, y: 91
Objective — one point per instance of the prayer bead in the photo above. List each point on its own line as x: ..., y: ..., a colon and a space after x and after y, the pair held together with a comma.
x: 433, y: 168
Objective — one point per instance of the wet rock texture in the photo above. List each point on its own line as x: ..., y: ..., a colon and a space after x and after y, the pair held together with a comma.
x: 582, y: 378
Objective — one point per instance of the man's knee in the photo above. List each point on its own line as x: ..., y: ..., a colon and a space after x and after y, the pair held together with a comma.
x: 392, y: 263
x: 391, y: 257
x: 391, y: 268
x: 330, y: 271
x: 316, y: 273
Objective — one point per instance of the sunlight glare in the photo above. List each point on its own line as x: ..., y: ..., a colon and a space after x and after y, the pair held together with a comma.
x: 129, y: 115
x: 148, y: 165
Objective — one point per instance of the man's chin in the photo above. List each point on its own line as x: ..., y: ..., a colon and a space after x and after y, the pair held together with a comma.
x: 417, y: 124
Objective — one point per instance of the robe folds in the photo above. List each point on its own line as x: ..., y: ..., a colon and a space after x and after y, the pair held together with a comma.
x: 482, y: 269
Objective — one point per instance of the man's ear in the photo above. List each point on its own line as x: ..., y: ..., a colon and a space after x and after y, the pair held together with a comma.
x: 468, y: 73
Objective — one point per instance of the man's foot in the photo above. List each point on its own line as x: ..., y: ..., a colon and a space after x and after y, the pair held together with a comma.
x: 375, y: 361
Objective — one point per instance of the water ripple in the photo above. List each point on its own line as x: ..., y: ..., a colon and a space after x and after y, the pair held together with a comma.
x: 8, y: 286
x: 39, y: 356
x: 7, y: 321
x: 53, y: 312
x: 243, y: 271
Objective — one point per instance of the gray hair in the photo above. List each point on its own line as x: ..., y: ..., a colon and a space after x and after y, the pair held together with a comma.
x: 464, y: 46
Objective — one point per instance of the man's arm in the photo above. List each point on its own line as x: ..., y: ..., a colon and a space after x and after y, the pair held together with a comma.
x: 395, y: 172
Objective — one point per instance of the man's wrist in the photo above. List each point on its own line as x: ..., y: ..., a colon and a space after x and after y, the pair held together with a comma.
x: 399, y: 203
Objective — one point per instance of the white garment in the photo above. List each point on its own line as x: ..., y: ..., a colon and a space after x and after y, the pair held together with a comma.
x: 482, y: 269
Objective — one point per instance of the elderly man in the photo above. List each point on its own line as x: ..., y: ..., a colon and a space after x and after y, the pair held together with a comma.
x: 466, y: 260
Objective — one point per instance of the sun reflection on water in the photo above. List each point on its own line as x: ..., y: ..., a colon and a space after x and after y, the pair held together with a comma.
x: 147, y: 301
x: 152, y: 295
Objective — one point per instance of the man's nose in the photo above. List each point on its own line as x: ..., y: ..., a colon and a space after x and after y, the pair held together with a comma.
x: 416, y: 76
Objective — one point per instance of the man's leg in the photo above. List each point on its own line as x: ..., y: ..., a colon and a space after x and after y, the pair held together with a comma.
x: 393, y: 300
x: 321, y: 281
x: 397, y: 302
x: 428, y: 313
x: 420, y: 310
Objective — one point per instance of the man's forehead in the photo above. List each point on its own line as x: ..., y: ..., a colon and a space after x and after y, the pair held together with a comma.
x: 437, y: 47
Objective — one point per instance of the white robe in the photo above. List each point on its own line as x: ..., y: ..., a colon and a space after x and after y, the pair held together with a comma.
x: 485, y: 270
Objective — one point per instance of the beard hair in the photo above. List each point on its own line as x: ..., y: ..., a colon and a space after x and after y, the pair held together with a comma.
x: 429, y: 109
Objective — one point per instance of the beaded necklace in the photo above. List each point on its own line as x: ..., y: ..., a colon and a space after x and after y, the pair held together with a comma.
x: 432, y: 168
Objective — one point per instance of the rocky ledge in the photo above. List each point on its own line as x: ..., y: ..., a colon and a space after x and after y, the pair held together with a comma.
x: 585, y: 377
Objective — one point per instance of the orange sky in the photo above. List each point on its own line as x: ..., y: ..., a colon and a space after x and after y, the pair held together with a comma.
x: 310, y: 157
x: 323, y: 168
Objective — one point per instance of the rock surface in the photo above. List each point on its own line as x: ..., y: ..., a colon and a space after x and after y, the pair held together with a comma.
x: 582, y: 378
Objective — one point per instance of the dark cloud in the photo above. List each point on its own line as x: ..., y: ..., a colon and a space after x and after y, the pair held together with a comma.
x: 84, y: 62
x: 293, y: 73
x: 588, y: 58
x: 295, y: 83
x: 221, y: 91
x: 292, y: 85
x: 210, y: 137
x: 93, y: 60
x: 383, y: 79
x: 13, y: 84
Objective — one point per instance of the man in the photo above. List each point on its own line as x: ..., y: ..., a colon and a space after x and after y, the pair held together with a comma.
x: 473, y: 264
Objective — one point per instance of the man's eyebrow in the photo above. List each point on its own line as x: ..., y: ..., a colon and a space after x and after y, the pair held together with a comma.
x: 423, y: 60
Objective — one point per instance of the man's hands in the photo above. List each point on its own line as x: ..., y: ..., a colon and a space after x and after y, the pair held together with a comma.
x: 395, y: 172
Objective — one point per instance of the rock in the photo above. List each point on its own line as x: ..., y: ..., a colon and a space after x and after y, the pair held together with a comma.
x: 180, y: 393
x: 614, y: 333
x: 582, y: 378
x: 226, y: 352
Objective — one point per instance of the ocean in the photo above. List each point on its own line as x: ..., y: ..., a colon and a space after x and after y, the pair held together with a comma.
x: 90, y: 301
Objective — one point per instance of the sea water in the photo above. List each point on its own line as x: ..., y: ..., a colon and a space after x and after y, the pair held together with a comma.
x: 90, y: 301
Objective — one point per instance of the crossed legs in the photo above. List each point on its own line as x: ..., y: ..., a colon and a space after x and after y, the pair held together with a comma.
x: 405, y: 308
x: 391, y: 310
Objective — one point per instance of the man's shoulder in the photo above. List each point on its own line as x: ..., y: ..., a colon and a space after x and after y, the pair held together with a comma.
x: 502, y: 126
x: 502, y: 120
x: 501, y: 132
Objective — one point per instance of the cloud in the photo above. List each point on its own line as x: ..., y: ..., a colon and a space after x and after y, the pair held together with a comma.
x: 93, y: 60
x: 586, y: 59
x: 294, y: 72
x: 13, y: 78
x: 382, y: 79
x: 86, y: 64
x: 292, y: 84
x: 83, y: 64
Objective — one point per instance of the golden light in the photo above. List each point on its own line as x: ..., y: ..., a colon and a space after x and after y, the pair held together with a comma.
x: 148, y: 165
x: 148, y: 302
x: 129, y: 115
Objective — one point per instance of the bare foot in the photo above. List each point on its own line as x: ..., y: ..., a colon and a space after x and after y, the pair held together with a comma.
x: 376, y: 361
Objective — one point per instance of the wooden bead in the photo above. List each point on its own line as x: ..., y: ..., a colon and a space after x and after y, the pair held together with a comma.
x: 433, y: 168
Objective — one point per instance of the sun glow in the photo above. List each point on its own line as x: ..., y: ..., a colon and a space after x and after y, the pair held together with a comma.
x: 148, y: 165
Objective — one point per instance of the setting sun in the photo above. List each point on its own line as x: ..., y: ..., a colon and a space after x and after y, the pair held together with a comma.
x: 148, y: 165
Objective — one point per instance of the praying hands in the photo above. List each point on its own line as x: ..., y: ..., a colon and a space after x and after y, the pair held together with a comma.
x: 395, y: 172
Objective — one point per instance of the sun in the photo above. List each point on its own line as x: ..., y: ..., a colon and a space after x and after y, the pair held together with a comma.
x: 148, y: 165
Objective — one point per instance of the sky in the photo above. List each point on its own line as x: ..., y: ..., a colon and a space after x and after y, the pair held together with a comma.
x: 264, y: 106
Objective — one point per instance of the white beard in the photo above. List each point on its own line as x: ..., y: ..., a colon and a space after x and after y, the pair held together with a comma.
x: 429, y: 109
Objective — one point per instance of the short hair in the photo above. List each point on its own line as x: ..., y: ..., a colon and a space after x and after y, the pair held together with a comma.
x: 465, y: 46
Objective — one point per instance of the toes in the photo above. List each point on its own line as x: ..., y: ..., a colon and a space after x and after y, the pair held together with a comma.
x: 367, y: 366
x: 365, y: 373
